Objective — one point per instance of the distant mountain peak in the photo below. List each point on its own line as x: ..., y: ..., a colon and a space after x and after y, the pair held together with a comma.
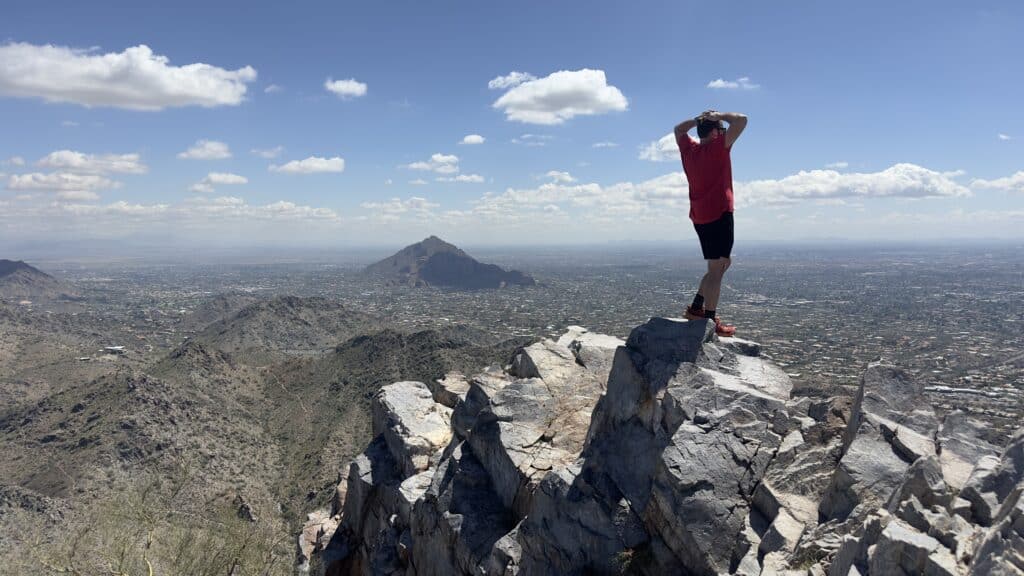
x: 21, y: 281
x: 8, y: 267
x: 434, y: 262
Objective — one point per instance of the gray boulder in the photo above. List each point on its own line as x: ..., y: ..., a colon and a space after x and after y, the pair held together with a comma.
x: 993, y: 480
x: 891, y: 425
x: 414, y: 426
x: 961, y: 445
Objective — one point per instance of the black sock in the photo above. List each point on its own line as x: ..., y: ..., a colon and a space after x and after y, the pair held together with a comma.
x: 698, y: 302
x: 709, y: 314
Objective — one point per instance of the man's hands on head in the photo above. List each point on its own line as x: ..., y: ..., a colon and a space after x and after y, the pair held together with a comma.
x: 712, y: 115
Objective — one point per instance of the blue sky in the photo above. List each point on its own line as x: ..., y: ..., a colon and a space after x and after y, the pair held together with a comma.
x: 213, y: 122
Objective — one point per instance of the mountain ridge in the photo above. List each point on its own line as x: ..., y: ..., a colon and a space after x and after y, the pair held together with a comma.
x: 22, y: 281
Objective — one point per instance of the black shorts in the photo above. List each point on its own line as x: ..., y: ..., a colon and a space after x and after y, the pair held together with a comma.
x: 716, y: 237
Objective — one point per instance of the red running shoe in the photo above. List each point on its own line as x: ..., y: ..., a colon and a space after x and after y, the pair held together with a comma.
x: 723, y: 329
x: 694, y: 313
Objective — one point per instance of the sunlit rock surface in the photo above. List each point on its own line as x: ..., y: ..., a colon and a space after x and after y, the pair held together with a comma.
x: 675, y: 452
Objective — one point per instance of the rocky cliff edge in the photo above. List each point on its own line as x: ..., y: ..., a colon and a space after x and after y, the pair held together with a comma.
x: 675, y: 452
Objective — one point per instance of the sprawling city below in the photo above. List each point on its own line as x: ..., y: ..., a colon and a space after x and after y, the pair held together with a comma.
x: 952, y: 316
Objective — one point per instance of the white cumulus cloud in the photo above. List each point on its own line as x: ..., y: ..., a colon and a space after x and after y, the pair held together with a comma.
x: 661, y: 150
x: 440, y: 163
x: 743, y: 83
x: 473, y: 139
x: 511, y: 80
x: 900, y: 180
x: 72, y: 161
x: 136, y: 78
x: 1014, y: 183
x: 206, y: 150
x: 311, y: 165
x: 350, y: 88
x: 561, y: 96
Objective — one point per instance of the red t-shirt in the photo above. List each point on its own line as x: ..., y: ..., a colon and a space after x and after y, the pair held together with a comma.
x: 709, y: 172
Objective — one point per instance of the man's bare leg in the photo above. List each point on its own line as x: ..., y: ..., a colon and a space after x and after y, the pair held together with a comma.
x: 711, y: 283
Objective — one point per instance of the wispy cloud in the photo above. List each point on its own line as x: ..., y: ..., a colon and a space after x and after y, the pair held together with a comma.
x: 604, y: 145
x: 533, y: 139
x: 268, y: 153
x: 273, y: 89
x: 311, y: 165
x: 743, y: 83
x: 838, y: 165
x: 206, y: 150
x: 396, y: 208
x: 59, y: 182
x: 471, y: 178
x: 207, y: 184
x: 440, y: 163
x: 136, y: 78
x: 560, y: 177
x: 1004, y: 136
x: 511, y: 80
x: 72, y: 161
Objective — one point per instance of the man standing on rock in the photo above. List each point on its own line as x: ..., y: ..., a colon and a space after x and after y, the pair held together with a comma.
x: 709, y: 174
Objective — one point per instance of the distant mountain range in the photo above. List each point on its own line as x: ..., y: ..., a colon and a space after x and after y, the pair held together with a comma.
x: 434, y: 262
x: 21, y: 281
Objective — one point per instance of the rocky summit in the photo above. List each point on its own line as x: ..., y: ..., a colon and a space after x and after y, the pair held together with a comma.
x: 674, y: 452
x: 434, y: 262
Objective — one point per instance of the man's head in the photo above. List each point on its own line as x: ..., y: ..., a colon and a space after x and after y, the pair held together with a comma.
x: 706, y: 128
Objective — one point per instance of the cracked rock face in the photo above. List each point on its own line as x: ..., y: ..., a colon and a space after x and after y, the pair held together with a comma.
x: 674, y: 452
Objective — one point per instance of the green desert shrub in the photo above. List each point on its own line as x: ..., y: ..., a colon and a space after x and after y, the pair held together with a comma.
x: 156, y: 526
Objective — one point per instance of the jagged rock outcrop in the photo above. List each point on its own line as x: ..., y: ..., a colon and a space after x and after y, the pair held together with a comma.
x: 675, y: 452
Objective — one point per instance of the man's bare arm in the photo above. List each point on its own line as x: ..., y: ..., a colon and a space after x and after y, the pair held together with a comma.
x: 683, y: 127
x: 737, y: 122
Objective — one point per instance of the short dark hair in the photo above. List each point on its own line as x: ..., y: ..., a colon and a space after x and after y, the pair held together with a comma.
x: 706, y: 126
